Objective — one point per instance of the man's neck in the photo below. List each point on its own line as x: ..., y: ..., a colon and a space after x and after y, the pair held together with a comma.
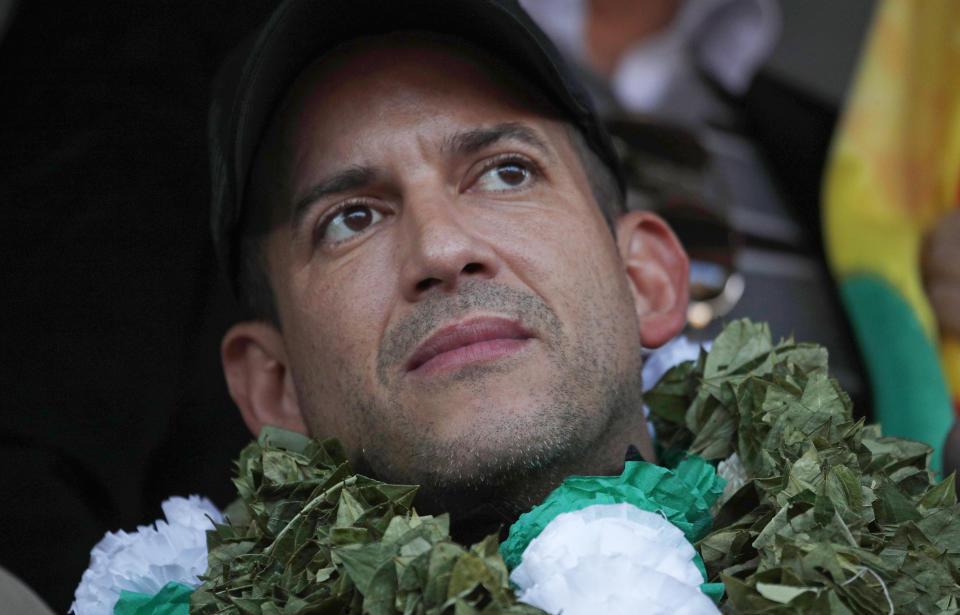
x: 477, y: 512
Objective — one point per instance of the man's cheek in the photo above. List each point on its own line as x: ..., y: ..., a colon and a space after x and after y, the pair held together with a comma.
x: 330, y: 394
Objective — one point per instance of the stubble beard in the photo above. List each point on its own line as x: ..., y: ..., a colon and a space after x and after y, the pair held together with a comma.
x: 509, y: 460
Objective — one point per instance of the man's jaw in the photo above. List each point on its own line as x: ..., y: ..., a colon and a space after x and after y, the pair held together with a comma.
x: 489, y: 435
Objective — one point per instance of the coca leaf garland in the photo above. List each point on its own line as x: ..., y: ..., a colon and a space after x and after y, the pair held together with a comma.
x: 310, y: 536
x: 833, y: 517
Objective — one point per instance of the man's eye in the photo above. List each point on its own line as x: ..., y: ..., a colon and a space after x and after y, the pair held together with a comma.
x: 504, y: 176
x: 348, y: 222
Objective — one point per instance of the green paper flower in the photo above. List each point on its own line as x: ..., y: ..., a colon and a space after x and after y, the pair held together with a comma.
x: 684, y: 495
x: 173, y: 599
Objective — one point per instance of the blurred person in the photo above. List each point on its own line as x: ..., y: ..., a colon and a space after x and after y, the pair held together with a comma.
x: 660, y: 57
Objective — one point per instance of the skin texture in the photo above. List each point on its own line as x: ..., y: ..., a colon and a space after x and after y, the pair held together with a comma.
x: 469, y: 209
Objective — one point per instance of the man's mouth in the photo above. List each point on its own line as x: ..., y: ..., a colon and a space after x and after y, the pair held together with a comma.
x: 464, y: 343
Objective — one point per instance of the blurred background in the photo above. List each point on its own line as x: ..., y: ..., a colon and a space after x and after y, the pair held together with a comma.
x: 112, y: 394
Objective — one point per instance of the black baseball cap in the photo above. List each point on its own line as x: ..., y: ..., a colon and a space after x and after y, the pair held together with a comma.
x: 255, y: 78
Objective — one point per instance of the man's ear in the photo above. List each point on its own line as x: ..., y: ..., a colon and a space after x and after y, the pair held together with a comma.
x: 658, y: 270
x: 255, y: 364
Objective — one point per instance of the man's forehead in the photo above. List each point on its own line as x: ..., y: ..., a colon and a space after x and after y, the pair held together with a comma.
x: 408, y: 59
x: 310, y: 148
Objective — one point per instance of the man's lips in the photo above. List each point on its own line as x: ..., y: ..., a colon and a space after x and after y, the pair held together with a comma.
x: 474, y: 340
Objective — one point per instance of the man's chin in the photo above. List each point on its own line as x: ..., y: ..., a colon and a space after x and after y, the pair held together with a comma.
x: 491, y: 473
x: 458, y: 468
x: 490, y: 440
x: 495, y: 445
x: 490, y: 499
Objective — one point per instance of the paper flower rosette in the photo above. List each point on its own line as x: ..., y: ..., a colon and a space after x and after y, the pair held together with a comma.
x: 155, y: 568
x: 619, y: 545
x: 611, y: 558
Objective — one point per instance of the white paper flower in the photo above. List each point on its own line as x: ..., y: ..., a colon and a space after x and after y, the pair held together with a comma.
x: 612, y: 559
x: 174, y: 550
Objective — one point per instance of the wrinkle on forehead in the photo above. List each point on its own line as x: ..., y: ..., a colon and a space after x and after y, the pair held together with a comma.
x: 351, y: 67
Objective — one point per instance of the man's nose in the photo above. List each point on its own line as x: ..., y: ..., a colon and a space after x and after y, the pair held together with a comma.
x: 441, y: 249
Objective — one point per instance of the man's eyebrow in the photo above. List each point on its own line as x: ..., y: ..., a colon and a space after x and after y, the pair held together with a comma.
x: 341, y: 181
x: 472, y: 141
x: 465, y: 142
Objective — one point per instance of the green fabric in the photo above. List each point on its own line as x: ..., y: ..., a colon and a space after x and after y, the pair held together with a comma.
x: 910, y: 394
x: 173, y: 599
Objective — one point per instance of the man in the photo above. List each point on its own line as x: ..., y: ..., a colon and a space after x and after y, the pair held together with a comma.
x: 425, y: 221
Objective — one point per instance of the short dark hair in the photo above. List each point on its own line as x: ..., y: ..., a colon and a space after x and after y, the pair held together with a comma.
x: 604, y: 185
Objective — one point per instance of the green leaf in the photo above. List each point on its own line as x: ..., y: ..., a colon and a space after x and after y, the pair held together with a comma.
x: 943, y: 527
x: 284, y: 439
x: 782, y: 593
x: 892, y: 506
x: 670, y: 398
x: 943, y: 495
x: 361, y: 562
x: 740, y: 343
x: 349, y: 509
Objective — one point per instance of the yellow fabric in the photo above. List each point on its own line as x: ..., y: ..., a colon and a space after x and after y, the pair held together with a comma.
x: 894, y: 167
x: 895, y: 163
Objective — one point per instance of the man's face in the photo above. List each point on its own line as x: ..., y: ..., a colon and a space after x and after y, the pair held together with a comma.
x: 452, y: 301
